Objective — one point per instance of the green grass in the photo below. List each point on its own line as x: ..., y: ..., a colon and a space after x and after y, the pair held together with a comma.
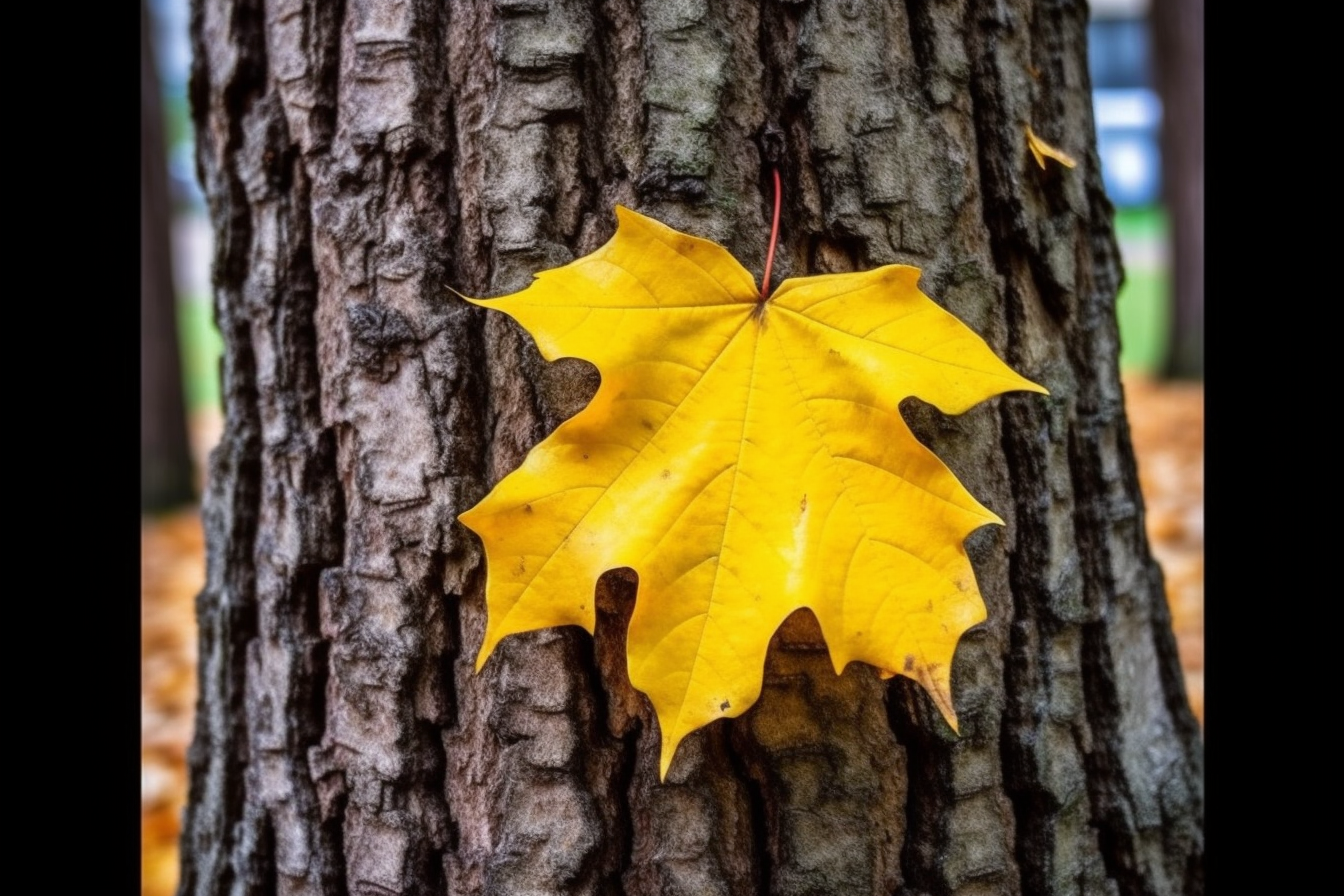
x: 1144, y: 304
x: 176, y: 120
x: 201, y: 347
x: 1147, y: 221
x: 1142, y: 310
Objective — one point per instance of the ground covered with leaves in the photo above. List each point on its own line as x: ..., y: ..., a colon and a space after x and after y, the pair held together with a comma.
x: 1167, y: 424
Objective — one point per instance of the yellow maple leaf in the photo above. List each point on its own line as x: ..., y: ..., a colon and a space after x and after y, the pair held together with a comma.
x: 1042, y: 150
x: 746, y: 458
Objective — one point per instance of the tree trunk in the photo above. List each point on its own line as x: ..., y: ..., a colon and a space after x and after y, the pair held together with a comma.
x: 1178, y: 37
x: 165, y: 453
x: 360, y: 159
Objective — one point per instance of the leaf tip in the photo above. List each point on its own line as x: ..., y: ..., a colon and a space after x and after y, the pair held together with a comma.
x: 466, y: 298
x: 491, y: 639
x: 669, y: 750
x: 469, y: 521
x: 627, y: 215
x: 486, y: 651
x: 1022, y: 384
x: 939, y: 685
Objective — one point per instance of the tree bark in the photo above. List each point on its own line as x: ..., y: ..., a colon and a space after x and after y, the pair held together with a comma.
x: 361, y: 159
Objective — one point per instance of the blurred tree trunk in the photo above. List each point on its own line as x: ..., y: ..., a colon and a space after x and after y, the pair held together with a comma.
x: 165, y: 455
x: 1178, y: 37
x: 360, y: 158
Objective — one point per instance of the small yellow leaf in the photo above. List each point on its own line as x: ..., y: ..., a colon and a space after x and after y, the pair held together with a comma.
x: 1042, y: 150
x: 747, y: 459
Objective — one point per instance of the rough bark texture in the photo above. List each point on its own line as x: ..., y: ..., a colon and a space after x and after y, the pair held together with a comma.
x: 361, y: 158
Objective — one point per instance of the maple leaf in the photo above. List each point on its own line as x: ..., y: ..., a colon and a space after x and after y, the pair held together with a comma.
x: 746, y: 458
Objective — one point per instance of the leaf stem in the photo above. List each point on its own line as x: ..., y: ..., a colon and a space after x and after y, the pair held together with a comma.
x: 774, y: 237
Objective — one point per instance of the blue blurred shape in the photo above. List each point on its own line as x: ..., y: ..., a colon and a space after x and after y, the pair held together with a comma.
x: 1127, y: 110
x: 1127, y: 135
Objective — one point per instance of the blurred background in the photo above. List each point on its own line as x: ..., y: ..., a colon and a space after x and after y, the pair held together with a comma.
x: 1146, y: 62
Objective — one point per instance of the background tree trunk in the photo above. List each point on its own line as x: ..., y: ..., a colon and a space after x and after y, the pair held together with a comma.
x: 165, y: 453
x: 1178, y: 38
x: 362, y: 157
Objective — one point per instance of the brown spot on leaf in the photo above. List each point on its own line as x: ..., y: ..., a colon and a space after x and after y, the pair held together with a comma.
x: 909, y: 661
x: 724, y: 705
x: 527, y: 508
x: 666, y: 474
x: 802, y: 505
